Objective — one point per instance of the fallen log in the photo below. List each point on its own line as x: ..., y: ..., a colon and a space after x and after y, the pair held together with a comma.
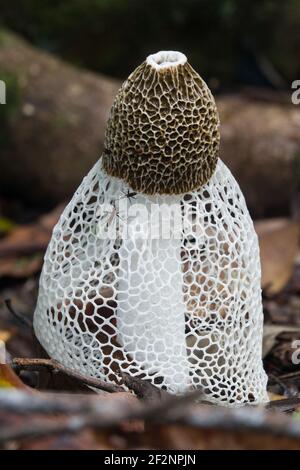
x: 57, y: 130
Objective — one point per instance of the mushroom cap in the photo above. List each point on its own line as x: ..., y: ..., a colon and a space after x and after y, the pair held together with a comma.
x: 162, y: 135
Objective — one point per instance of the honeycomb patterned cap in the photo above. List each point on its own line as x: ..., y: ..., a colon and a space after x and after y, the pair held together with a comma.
x: 162, y: 135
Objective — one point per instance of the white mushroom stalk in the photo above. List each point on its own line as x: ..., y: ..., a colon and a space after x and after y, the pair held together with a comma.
x: 153, y: 268
x: 151, y: 308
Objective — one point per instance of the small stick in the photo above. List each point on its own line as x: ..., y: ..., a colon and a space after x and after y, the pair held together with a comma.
x: 53, y: 366
x: 89, y: 412
x: 143, y: 389
x: 284, y: 405
x: 290, y: 375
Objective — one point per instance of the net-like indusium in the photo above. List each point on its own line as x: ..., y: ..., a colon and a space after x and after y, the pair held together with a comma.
x: 163, y: 287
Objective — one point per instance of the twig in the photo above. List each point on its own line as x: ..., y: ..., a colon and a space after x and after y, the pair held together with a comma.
x: 20, y: 316
x: 53, y: 366
x: 92, y: 412
x: 87, y: 411
x: 287, y: 404
x: 142, y: 388
x: 171, y: 407
x: 290, y: 375
x: 244, y: 419
x: 21, y: 403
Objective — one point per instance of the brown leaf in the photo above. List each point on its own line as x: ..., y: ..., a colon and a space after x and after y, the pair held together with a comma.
x: 5, y: 335
x: 21, y: 267
x: 8, y: 379
x: 279, y: 245
x: 275, y: 396
x: 25, y: 239
x: 21, y: 252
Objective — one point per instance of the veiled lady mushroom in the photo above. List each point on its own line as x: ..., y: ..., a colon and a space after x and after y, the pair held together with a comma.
x: 154, y: 267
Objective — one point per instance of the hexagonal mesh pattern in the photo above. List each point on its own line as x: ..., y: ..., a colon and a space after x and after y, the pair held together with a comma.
x: 182, y: 312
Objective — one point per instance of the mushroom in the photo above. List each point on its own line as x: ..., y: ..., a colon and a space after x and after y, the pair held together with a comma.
x: 153, y: 267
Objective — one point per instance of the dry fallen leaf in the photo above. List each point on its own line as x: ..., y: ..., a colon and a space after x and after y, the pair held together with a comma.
x: 21, y: 267
x: 8, y: 379
x: 5, y: 335
x: 275, y: 396
x: 279, y: 245
x: 21, y: 252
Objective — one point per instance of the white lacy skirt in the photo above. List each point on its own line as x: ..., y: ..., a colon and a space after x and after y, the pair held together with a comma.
x: 165, y: 288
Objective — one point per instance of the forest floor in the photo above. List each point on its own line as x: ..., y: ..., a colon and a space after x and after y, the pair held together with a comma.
x: 46, y: 406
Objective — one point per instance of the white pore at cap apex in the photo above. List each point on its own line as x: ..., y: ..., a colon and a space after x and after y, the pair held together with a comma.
x: 165, y: 59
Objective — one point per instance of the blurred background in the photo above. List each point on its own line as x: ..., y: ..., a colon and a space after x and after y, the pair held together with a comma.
x: 63, y: 61
x: 232, y: 42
